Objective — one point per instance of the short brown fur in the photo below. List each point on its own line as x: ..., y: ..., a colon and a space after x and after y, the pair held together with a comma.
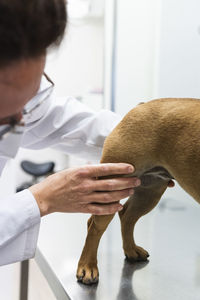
x: 161, y: 139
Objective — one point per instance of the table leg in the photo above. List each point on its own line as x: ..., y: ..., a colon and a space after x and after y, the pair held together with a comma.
x: 24, y: 271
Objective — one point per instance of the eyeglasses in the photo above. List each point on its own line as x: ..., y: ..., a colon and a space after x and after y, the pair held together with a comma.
x: 17, y: 127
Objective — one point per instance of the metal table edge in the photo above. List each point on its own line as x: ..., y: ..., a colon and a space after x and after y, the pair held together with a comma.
x: 53, y: 281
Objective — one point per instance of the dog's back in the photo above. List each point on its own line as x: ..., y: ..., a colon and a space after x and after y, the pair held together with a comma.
x: 161, y: 133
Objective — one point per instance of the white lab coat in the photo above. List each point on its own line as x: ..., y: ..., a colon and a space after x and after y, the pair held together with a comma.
x: 61, y: 123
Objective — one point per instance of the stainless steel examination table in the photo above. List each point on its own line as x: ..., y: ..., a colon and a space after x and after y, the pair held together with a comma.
x: 171, y: 234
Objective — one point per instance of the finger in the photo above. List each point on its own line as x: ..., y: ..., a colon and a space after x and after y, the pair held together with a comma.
x: 109, y: 209
x: 115, y: 184
x: 109, y: 197
x: 110, y: 169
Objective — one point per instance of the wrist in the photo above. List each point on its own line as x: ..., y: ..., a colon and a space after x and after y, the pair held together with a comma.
x: 40, y: 199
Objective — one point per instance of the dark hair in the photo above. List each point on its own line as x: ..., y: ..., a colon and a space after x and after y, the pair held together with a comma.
x: 29, y: 27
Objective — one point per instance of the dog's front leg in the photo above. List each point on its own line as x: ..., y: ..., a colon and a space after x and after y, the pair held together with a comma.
x: 87, y: 271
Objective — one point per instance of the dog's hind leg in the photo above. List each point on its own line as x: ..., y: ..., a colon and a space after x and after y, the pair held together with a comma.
x: 87, y: 271
x: 144, y: 200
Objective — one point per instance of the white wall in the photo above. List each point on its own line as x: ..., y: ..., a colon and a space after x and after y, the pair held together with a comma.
x: 137, y: 28
x: 179, y: 59
x: 158, y: 51
x: 77, y: 67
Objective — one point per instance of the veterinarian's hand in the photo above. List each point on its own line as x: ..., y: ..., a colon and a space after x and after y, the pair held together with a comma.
x: 79, y: 190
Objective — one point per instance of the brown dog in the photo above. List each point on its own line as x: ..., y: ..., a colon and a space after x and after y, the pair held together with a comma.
x: 161, y: 139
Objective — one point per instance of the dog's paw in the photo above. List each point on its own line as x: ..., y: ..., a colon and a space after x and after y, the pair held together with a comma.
x: 136, y: 254
x: 87, y: 274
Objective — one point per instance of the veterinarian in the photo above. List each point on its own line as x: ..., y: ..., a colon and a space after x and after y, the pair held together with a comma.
x: 31, y: 117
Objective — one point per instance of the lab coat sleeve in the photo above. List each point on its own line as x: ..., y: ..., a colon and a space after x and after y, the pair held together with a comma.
x: 20, y: 218
x: 72, y: 127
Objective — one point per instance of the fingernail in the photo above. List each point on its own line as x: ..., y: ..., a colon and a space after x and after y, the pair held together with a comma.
x: 120, y: 208
x: 138, y: 182
x: 130, y: 169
